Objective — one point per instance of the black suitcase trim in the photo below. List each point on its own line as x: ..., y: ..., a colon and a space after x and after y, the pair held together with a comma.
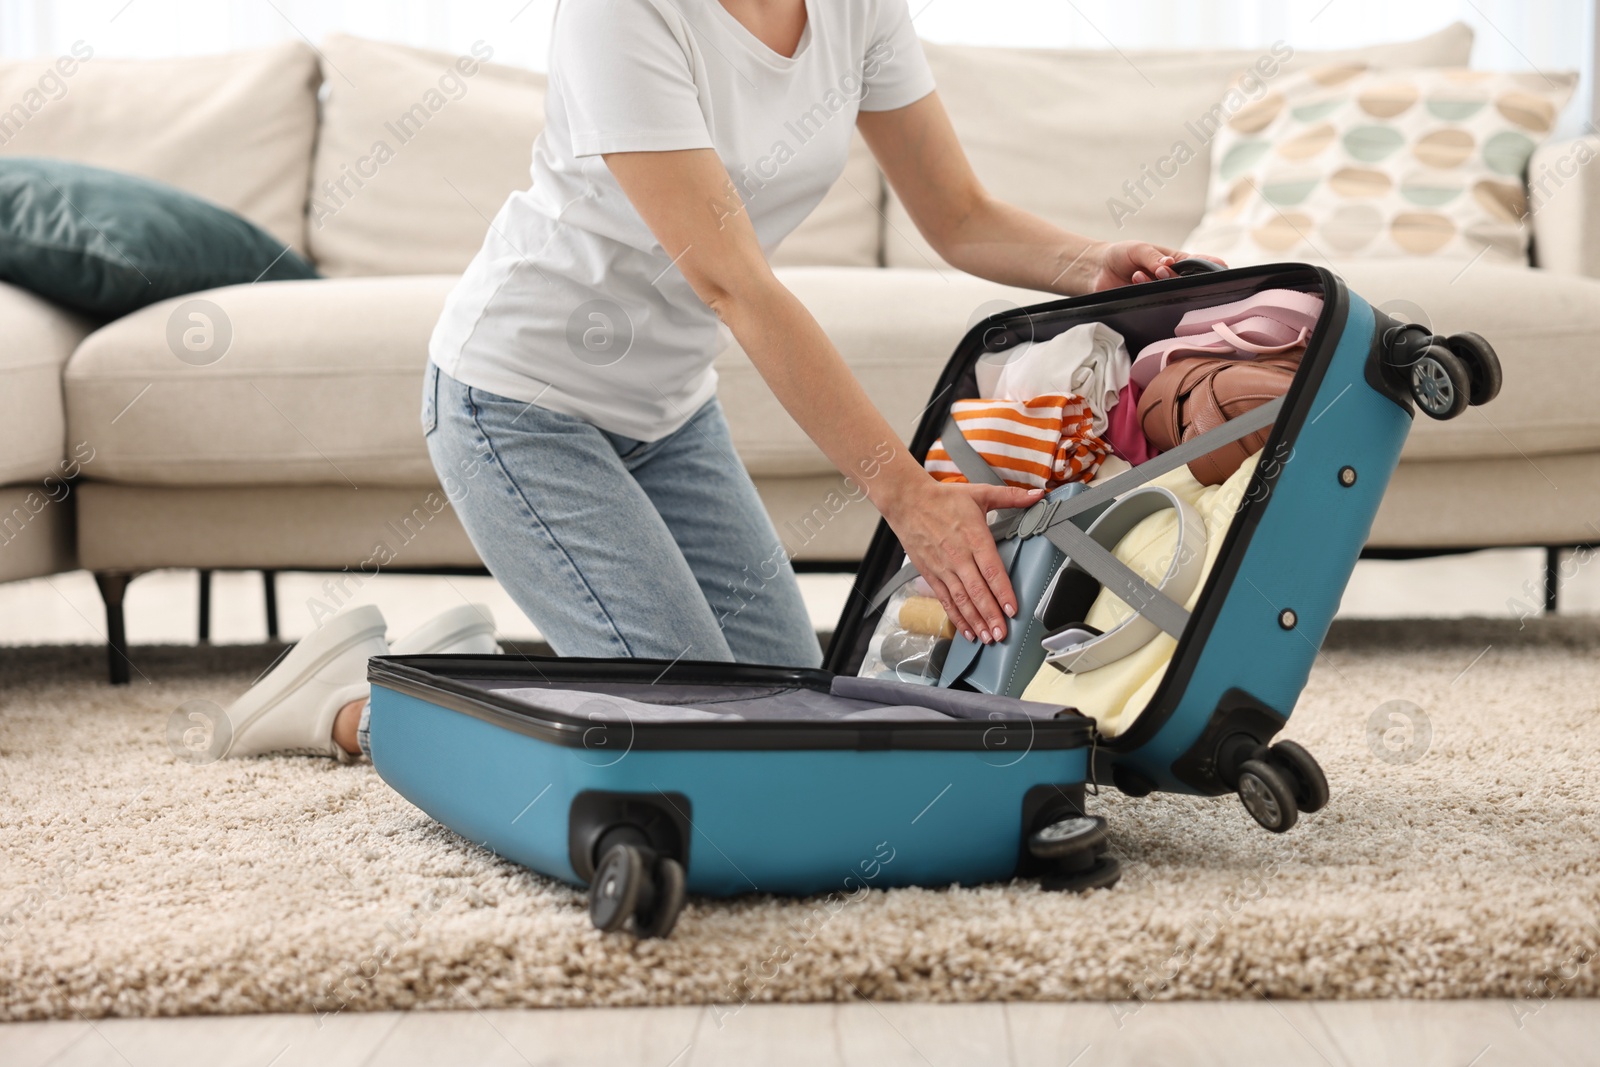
x: 447, y: 682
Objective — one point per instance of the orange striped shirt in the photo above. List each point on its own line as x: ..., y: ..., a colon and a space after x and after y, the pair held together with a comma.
x: 1031, y: 444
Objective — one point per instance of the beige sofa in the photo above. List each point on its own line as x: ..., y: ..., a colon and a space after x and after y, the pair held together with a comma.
x: 299, y: 446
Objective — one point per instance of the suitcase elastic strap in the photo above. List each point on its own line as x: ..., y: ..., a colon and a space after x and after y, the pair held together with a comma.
x: 1052, y: 518
x: 1091, y: 551
x: 973, y: 467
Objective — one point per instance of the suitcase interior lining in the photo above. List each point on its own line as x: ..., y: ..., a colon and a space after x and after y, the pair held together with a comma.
x: 847, y: 701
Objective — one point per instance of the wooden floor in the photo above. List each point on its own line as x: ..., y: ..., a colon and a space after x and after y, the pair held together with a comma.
x: 1271, y: 1034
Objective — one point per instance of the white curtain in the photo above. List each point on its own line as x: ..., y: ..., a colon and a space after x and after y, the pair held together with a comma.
x: 1511, y: 34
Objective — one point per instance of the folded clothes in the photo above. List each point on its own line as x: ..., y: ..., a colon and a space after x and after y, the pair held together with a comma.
x: 1090, y: 361
x: 1040, y: 443
x: 1125, y: 435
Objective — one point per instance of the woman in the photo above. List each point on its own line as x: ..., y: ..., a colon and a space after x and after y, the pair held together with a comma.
x: 570, y: 394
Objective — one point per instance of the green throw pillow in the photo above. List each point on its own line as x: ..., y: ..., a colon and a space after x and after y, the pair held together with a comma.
x: 106, y: 243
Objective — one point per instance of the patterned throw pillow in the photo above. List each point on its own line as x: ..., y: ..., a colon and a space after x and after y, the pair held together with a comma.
x: 1351, y: 162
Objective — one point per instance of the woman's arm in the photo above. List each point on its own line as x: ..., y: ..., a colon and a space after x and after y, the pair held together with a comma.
x: 918, y: 151
x: 693, y: 208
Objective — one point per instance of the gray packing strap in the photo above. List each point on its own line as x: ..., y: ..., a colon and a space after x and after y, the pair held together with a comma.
x: 1233, y: 430
x: 1098, y: 495
x: 1095, y: 496
x: 1095, y: 559
x: 973, y: 467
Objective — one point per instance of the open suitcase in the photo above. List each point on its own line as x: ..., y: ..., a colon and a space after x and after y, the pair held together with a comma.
x: 648, y: 779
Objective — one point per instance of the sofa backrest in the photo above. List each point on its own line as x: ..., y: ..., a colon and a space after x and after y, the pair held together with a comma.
x: 1059, y: 132
x: 236, y: 129
x: 417, y: 151
x: 415, y: 154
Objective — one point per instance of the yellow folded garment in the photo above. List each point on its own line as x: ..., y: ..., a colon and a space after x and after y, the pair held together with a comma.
x: 1115, y: 694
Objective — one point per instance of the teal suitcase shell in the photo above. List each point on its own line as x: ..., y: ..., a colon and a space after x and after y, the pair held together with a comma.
x: 647, y: 780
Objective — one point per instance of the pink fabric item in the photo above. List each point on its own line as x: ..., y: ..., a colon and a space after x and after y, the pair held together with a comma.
x: 1271, y: 322
x: 1123, y: 434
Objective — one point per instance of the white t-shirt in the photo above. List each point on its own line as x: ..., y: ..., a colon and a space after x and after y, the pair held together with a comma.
x: 571, y: 303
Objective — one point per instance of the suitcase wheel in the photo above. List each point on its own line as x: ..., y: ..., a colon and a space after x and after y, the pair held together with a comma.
x: 1440, y: 383
x: 1310, y: 785
x: 662, y: 915
x: 1483, y: 366
x: 1267, y: 795
x: 1068, y: 838
x: 1102, y: 873
x: 632, y: 882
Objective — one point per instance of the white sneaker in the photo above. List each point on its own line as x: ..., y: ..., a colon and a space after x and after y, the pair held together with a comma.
x: 469, y: 628
x: 292, y: 709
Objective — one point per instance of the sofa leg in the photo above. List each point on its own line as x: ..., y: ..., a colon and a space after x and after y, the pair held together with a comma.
x: 112, y: 587
x: 269, y: 584
x: 1552, y: 580
x: 205, y: 607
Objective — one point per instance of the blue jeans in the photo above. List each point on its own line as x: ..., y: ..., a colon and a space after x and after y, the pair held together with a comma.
x: 617, y: 547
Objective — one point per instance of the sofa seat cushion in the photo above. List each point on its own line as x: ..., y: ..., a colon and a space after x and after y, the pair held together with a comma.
x: 38, y: 339
x: 320, y: 382
x: 1543, y: 326
x: 309, y: 383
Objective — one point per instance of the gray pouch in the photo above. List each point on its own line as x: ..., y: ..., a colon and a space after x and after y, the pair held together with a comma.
x: 1006, y: 667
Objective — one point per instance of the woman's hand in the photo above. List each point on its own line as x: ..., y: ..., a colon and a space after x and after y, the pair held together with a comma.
x: 1112, y: 264
x: 944, y: 532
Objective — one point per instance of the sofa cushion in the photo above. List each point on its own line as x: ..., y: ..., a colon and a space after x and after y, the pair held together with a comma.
x: 846, y: 228
x: 38, y: 339
x: 105, y: 243
x: 895, y: 328
x: 320, y: 382
x: 1542, y: 325
x: 1060, y: 132
x: 236, y: 129
x: 314, y: 383
x: 418, y: 150
x: 1327, y: 165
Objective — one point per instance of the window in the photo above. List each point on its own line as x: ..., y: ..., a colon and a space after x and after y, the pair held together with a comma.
x: 1511, y: 34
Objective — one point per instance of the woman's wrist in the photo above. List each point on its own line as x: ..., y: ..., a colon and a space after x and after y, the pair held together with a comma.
x: 898, y: 485
x: 1084, y: 262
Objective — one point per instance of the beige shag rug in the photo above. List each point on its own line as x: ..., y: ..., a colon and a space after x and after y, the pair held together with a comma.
x: 1460, y: 857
